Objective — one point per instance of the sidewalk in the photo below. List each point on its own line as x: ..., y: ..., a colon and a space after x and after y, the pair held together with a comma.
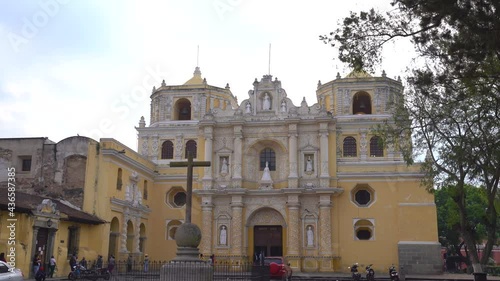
x: 346, y: 276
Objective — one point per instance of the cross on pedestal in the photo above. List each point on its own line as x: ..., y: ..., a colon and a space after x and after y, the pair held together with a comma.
x: 189, y: 192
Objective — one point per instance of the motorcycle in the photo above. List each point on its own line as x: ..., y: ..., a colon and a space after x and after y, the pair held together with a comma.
x: 80, y: 272
x: 102, y: 273
x: 370, y: 273
x: 356, y: 276
x: 393, y: 273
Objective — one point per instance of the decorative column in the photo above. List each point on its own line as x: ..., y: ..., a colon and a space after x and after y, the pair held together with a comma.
x: 236, y: 225
x: 237, y: 159
x: 293, y: 228
x: 206, y: 227
x: 144, y: 146
x: 212, y: 99
x: 123, y: 236
x: 292, y: 156
x: 324, y: 154
x: 363, y: 145
x: 179, y: 147
x: 154, y: 147
x: 325, y: 206
x: 34, y: 250
x: 207, y: 177
x: 137, y: 235
x: 50, y: 245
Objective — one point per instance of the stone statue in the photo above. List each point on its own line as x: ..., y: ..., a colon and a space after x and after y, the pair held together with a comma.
x: 267, y: 102
x: 283, y: 106
x: 248, y: 108
x: 224, y: 168
x: 310, y: 236
x: 266, y: 176
x: 223, y: 236
x: 309, y: 166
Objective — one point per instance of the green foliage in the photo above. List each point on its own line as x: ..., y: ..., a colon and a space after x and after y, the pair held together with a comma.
x: 448, y: 213
x: 452, y: 103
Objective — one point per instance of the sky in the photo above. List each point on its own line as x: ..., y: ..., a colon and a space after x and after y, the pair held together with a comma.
x: 74, y: 67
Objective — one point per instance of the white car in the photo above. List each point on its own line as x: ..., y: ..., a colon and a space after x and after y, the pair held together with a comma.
x: 10, y: 273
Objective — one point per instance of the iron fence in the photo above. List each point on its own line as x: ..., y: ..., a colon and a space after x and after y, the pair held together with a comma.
x: 220, y: 270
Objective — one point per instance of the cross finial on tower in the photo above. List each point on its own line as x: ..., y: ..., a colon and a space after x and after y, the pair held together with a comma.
x: 269, y: 66
x: 198, y: 56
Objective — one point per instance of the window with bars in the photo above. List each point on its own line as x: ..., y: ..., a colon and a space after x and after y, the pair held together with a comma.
x: 167, y: 150
x: 350, y: 147
x: 376, y: 147
x: 25, y: 163
x: 268, y: 155
x: 191, y: 147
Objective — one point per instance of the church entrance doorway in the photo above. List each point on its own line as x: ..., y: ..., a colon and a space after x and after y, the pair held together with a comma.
x: 268, y: 240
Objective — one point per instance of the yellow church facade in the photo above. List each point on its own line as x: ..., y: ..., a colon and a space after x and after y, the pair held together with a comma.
x: 311, y: 183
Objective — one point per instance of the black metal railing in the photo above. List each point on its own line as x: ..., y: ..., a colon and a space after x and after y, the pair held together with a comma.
x: 222, y: 269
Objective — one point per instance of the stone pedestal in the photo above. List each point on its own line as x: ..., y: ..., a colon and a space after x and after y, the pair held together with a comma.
x: 187, y: 266
x: 187, y: 271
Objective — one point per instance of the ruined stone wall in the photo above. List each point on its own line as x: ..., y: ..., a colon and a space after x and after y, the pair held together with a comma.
x: 57, y: 169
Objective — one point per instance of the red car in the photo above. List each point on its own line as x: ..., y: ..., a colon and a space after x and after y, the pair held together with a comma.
x: 278, y: 268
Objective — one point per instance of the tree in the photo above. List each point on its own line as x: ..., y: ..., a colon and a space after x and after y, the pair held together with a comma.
x: 449, y: 221
x: 452, y: 102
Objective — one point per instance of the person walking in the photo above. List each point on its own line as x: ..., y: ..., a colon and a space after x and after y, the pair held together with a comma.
x: 72, y: 262
x: 146, y: 263
x: 111, y: 264
x: 40, y: 274
x: 83, y: 263
x: 36, y: 263
x: 99, y: 262
x: 129, y: 263
x: 52, y: 267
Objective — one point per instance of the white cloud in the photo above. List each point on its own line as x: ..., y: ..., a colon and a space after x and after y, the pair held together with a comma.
x: 90, y: 90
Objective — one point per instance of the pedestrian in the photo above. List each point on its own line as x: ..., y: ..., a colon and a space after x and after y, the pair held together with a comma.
x: 129, y: 263
x: 52, y: 266
x: 36, y: 263
x: 111, y: 264
x: 40, y: 274
x: 72, y: 262
x: 288, y: 271
x: 146, y: 263
x: 83, y: 263
x: 99, y: 262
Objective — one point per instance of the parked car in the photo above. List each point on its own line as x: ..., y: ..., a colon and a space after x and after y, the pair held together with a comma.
x: 9, y: 273
x: 278, y: 268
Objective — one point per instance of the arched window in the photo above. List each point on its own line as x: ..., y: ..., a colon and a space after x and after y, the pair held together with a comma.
x: 361, y: 103
x: 376, y: 147
x: 364, y: 229
x: 350, y: 148
x: 190, y: 147
x: 268, y: 155
x: 183, y: 109
x: 167, y: 150
x: 119, y: 180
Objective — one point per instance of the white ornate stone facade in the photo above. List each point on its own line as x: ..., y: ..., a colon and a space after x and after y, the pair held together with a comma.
x: 239, y: 138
